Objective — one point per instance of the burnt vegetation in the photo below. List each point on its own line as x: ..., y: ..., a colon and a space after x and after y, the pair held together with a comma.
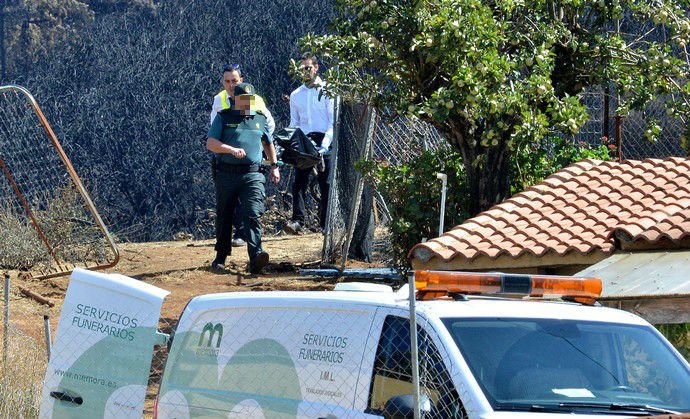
x: 128, y: 87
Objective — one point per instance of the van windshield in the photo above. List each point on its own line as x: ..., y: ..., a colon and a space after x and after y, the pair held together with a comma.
x: 568, y: 365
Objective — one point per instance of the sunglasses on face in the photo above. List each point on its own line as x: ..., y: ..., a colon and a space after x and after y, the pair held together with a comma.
x: 231, y: 67
x: 306, y: 68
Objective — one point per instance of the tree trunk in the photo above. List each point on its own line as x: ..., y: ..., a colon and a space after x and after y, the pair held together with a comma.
x: 362, y: 245
x: 487, y: 168
x: 488, y: 184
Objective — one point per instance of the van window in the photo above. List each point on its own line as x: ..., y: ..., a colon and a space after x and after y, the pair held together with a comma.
x: 572, y: 366
x: 392, y: 375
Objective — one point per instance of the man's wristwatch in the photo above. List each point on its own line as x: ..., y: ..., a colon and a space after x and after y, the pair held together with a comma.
x: 274, y: 165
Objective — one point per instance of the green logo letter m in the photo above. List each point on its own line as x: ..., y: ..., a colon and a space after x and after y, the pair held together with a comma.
x: 212, y: 330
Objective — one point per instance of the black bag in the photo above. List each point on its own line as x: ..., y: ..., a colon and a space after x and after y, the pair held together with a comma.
x: 297, y: 149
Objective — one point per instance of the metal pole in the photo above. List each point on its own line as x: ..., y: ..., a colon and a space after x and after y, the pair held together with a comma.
x: 444, y: 184
x: 6, y: 335
x: 46, y: 327
x: 619, y: 137
x: 414, y: 349
x: 607, y: 105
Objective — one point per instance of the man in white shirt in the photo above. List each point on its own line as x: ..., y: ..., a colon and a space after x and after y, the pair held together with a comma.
x: 232, y: 76
x: 312, y: 111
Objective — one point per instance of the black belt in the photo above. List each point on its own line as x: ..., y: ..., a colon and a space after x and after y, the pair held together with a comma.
x: 237, y: 168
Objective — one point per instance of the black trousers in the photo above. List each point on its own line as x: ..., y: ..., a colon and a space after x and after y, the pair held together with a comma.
x: 231, y: 188
x: 237, y: 217
x: 301, y: 186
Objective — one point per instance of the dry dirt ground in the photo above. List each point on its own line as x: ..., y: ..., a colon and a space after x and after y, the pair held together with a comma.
x: 182, y: 268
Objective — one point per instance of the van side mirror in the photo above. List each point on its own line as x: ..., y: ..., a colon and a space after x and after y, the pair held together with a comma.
x: 402, y: 407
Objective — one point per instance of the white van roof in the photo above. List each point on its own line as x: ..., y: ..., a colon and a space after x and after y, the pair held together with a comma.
x: 470, y: 308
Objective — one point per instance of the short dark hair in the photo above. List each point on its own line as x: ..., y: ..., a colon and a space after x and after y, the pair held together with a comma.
x: 309, y: 56
x: 229, y: 68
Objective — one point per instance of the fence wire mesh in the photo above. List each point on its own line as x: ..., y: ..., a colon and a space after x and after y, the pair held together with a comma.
x: 308, y: 362
x: 354, y: 123
x: 368, y: 135
x: 601, y: 127
x: 239, y: 359
x: 399, y: 140
x: 24, y: 358
x: 47, y: 222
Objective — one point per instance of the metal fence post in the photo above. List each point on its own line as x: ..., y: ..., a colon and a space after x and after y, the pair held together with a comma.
x: 414, y: 349
x: 46, y: 327
x: 619, y: 137
x: 6, y: 335
x: 444, y: 185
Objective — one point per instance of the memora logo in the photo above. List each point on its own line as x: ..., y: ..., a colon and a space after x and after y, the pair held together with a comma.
x: 210, y: 334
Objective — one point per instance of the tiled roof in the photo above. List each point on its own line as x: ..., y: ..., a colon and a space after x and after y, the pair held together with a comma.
x: 583, y: 208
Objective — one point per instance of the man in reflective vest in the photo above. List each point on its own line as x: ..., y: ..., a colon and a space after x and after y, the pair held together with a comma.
x: 232, y: 76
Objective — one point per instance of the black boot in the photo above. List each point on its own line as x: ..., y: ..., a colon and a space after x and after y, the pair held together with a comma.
x: 218, y: 263
x: 259, y: 262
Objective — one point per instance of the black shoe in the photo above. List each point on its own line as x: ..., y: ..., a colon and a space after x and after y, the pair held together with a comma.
x: 218, y: 263
x: 292, y: 227
x: 259, y: 262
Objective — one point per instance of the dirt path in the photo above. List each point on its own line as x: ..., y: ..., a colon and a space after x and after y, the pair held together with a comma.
x: 183, y: 269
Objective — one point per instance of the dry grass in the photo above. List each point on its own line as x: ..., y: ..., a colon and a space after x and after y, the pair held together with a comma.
x: 21, y: 248
x: 67, y: 225
x: 21, y: 377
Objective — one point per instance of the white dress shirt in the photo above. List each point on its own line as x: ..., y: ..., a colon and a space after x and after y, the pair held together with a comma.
x: 311, y: 113
x: 218, y: 106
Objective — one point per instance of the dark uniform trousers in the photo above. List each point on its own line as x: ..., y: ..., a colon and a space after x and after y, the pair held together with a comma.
x: 301, y: 185
x: 249, y: 188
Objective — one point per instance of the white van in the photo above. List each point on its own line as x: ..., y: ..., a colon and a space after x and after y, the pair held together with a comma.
x: 346, y: 354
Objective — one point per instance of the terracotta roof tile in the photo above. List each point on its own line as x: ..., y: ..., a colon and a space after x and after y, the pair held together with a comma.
x: 579, y: 210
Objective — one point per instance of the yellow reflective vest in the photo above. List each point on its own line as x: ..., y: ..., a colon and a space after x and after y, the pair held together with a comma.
x: 225, y: 101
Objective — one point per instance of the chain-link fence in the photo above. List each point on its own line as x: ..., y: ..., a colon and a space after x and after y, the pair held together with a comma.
x: 276, y: 355
x: 352, y: 143
x: 48, y: 224
x: 364, y: 134
x: 399, y: 140
x: 629, y: 133
x: 24, y: 355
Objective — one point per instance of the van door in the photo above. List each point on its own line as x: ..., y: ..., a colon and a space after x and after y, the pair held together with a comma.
x: 390, y: 370
x: 103, y: 348
x: 263, y: 358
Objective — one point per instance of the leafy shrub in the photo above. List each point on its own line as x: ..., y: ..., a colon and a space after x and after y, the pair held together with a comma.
x: 679, y: 336
x: 413, y: 193
x: 534, y: 162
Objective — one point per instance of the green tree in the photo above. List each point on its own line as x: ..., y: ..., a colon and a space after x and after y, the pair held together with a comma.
x: 496, y: 75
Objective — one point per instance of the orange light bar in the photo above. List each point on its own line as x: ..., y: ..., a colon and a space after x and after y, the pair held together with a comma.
x: 435, y: 283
